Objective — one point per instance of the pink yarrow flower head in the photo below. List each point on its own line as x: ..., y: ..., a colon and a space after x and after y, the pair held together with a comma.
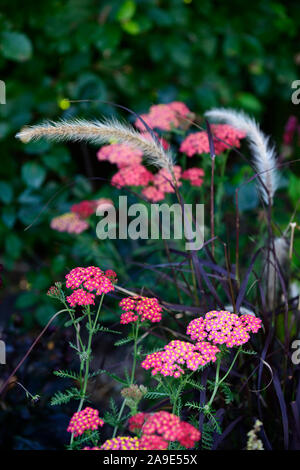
x: 153, y: 442
x: 85, y: 281
x: 121, y: 154
x: 224, y: 137
x: 87, y: 419
x: 81, y: 297
x: 177, y: 355
x: 153, y: 194
x: 165, y: 116
x: 163, y: 179
x: 70, y: 223
x: 223, y: 327
x: 136, y: 175
x: 103, y: 203
x: 140, y: 308
x: 121, y: 443
x: 194, y: 176
x: 162, y: 183
x: 167, y: 426
x: 91, y: 448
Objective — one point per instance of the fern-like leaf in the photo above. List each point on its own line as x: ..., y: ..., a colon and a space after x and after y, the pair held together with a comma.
x: 61, y: 398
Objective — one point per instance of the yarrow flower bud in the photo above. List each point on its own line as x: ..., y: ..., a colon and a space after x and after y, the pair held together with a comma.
x: 84, y: 420
x: 142, y: 308
x: 121, y: 443
x: 56, y: 291
x: 134, y: 392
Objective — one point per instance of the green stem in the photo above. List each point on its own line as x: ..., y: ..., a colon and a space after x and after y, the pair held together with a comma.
x: 135, y: 334
x: 135, y: 351
x: 87, y: 359
x: 217, y: 381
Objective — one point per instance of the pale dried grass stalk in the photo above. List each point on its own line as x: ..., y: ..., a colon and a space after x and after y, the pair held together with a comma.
x: 98, y: 132
x: 264, y: 157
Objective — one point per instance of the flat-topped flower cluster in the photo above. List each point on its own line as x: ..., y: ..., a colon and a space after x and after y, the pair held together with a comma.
x: 84, y: 420
x: 140, y: 308
x: 216, y: 328
x: 85, y: 281
x: 155, y: 431
x: 223, y: 327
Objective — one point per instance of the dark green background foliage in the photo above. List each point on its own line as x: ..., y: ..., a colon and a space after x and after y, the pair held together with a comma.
x: 136, y: 53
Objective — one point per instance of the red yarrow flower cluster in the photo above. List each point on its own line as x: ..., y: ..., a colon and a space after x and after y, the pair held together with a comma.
x: 224, y: 137
x: 289, y: 130
x: 164, y: 116
x: 84, y: 281
x: 137, y: 175
x: 223, y: 327
x: 140, y: 308
x: 121, y: 443
x: 121, y: 154
x: 86, y: 208
x: 177, y: 354
x: 84, y: 420
x: 194, y: 176
x: 158, y: 429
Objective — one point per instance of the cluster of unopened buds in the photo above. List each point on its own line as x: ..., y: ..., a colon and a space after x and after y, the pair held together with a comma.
x: 140, y: 308
x: 85, y: 281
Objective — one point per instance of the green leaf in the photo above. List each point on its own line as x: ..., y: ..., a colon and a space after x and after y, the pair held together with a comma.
x: 126, y: 11
x: 15, y: 46
x: 64, y: 397
x: 9, y: 216
x: 66, y: 374
x: 13, y: 245
x: 131, y: 27
x: 113, y: 376
x: 33, y: 174
x: 6, y: 192
x: 249, y: 102
x: 25, y: 300
x: 44, y: 313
